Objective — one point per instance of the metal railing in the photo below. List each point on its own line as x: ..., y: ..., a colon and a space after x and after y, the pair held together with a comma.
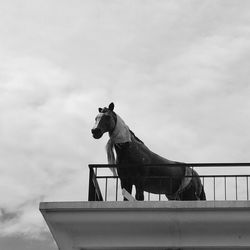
x: 221, y: 181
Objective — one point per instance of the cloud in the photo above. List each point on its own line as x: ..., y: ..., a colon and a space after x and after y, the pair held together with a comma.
x: 44, y: 129
x: 6, y: 216
x: 42, y: 119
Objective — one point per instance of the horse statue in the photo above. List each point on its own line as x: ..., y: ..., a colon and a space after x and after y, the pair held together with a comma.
x: 139, y: 166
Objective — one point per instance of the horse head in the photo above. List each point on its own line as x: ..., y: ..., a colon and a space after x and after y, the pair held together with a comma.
x: 105, y: 121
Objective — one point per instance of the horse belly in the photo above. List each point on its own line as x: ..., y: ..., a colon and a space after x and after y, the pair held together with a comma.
x: 158, y: 186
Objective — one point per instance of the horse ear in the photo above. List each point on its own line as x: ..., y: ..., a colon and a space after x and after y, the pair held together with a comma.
x: 100, y: 110
x: 111, y: 106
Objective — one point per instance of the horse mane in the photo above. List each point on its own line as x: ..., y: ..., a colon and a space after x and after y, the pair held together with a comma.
x: 136, y: 138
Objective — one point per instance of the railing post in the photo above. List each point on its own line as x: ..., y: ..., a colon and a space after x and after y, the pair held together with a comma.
x: 92, y: 191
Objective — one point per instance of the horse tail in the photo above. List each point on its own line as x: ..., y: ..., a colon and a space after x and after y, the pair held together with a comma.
x: 200, y: 192
x: 202, y: 195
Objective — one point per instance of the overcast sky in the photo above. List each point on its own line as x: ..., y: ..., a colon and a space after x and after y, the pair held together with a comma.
x: 177, y: 71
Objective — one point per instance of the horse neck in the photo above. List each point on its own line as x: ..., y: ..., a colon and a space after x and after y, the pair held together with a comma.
x: 121, y: 133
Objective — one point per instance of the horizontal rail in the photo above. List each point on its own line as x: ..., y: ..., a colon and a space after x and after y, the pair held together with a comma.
x: 241, y: 164
x: 177, y: 176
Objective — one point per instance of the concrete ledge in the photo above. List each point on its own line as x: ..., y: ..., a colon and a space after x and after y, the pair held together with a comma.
x: 149, y: 225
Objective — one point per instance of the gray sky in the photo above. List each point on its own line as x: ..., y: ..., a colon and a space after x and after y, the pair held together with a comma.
x: 178, y: 72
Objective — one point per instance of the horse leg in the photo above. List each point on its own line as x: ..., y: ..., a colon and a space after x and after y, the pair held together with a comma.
x: 126, y: 185
x: 139, y: 195
x: 195, y: 191
x: 202, y: 195
x: 189, y: 194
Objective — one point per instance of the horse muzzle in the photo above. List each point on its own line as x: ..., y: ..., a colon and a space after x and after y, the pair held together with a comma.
x: 97, y: 133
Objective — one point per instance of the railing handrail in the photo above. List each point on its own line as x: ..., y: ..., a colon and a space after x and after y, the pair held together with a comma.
x: 204, y: 164
x: 176, y: 176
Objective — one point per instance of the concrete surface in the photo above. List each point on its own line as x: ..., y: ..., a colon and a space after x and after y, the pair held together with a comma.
x: 149, y: 225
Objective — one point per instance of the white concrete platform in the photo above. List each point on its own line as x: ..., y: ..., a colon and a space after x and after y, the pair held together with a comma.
x: 149, y: 225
